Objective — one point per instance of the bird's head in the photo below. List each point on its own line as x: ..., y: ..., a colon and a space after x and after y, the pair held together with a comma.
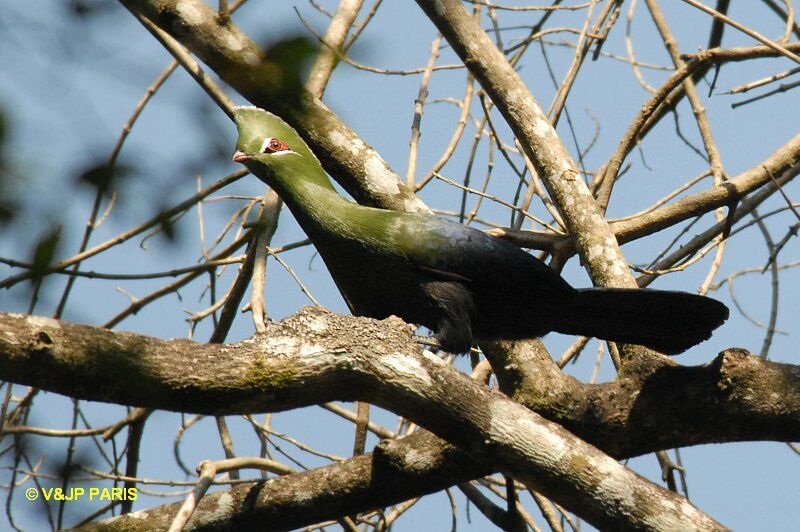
x: 267, y: 143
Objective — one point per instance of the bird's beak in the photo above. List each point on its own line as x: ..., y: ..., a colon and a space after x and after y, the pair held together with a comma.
x: 240, y: 157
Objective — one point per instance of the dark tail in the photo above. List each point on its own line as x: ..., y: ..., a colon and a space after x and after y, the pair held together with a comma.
x: 670, y: 322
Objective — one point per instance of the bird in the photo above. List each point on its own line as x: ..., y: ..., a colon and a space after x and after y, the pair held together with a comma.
x: 461, y: 283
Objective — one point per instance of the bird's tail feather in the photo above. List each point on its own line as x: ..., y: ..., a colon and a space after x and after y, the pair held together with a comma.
x: 670, y: 322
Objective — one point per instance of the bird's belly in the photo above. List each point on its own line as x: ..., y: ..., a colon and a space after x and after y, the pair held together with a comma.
x: 389, y: 297
x: 375, y: 290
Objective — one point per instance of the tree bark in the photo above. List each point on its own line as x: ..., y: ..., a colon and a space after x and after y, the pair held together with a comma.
x: 316, y: 357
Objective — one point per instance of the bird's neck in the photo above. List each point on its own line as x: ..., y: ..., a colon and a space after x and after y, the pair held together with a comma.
x: 318, y: 207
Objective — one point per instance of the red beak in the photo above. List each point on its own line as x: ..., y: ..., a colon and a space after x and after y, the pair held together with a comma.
x: 240, y: 157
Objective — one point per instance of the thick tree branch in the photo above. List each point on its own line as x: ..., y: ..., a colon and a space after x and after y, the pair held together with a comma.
x: 317, y: 357
x: 227, y: 380
x: 396, y: 471
x: 616, y: 416
x: 736, y: 397
x: 594, y: 240
x: 263, y: 81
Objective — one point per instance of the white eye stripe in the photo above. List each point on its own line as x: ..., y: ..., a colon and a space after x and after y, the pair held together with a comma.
x: 267, y: 142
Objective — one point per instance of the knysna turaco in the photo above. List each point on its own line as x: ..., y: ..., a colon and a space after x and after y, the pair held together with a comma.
x: 459, y: 282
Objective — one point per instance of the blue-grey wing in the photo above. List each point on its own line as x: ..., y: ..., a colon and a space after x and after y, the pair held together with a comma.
x: 454, y: 252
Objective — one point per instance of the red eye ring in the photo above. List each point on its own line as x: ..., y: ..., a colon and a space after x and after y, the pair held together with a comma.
x: 275, y: 145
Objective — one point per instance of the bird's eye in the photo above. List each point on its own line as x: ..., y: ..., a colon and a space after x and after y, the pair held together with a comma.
x: 274, y: 146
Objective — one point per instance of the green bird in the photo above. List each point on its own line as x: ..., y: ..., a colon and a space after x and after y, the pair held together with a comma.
x: 461, y: 283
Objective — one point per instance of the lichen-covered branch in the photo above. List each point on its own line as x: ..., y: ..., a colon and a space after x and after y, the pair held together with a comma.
x: 262, y: 80
x: 594, y: 240
x: 316, y: 357
x: 395, y: 471
x: 735, y: 397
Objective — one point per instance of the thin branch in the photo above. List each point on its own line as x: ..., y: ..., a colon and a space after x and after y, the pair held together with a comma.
x: 744, y: 29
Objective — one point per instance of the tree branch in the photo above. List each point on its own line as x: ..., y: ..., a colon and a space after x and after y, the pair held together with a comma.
x: 332, y: 44
x: 594, y: 240
x: 244, y: 66
x: 735, y: 397
x: 316, y: 357
x: 784, y: 163
x: 396, y: 471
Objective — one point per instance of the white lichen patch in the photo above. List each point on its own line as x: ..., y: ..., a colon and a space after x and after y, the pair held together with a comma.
x: 354, y: 145
x: 433, y: 358
x: 542, y: 127
x: 301, y: 497
x: 290, y: 346
x: 308, y: 349
x: 141, y: 514
x: 316, y: 324
x: 43, y: 322
x: 235, y: 42
x: 670, y: 519
x: 189, y: 13
x: 407, y: 367
x: 225, y: 503
x: 384, y: 182
x: 251, y: 58
x: 595, y: 251
x: 281, y: 345
x: 413, y: 456
x: 615, y: 483
x: 224, y: 508
x: 510, y: 422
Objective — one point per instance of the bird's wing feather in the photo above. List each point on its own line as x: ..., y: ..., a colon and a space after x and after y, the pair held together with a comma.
x: 453, y: 252
x: 441, y: 274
